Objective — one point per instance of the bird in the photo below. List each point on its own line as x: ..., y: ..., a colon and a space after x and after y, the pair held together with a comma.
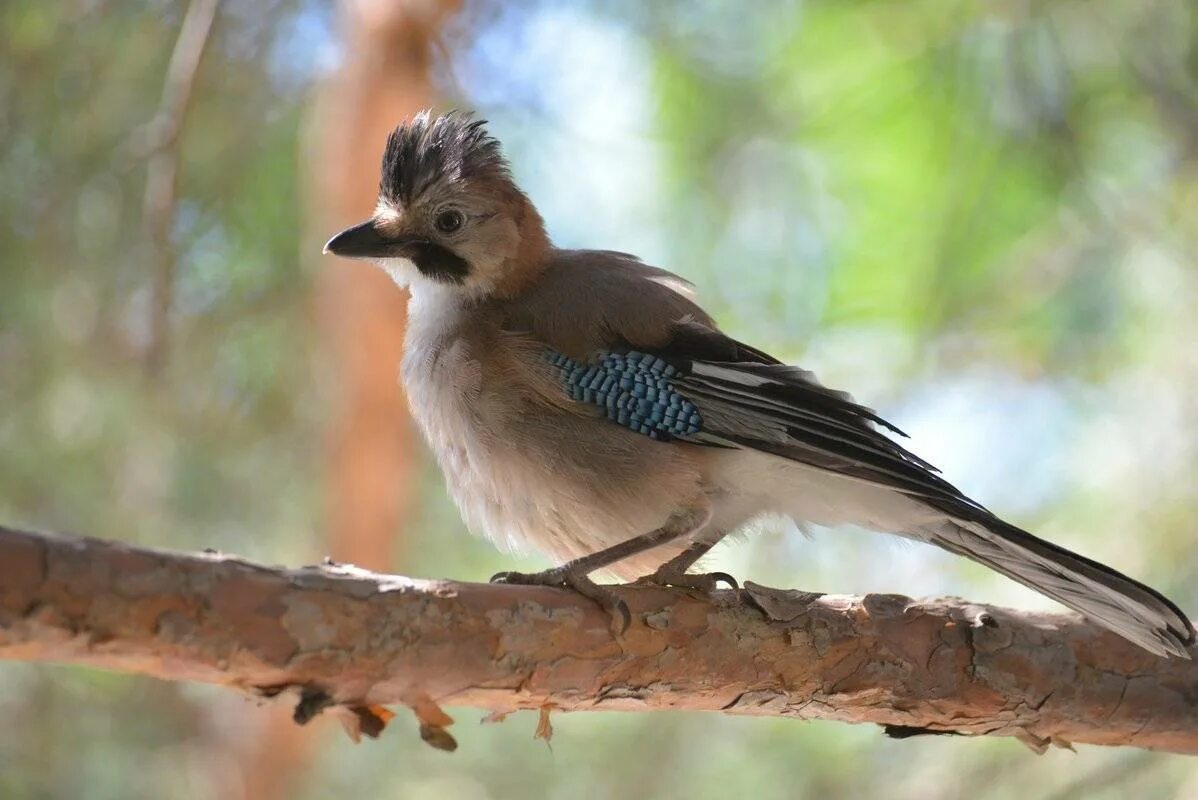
x: 582, y: 404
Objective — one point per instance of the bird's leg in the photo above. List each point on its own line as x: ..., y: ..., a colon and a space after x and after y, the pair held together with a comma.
x: 674, y: 572
x: 574, y: 574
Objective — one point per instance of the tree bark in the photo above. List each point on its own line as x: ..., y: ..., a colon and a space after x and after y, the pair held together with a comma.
x: 351, y: 640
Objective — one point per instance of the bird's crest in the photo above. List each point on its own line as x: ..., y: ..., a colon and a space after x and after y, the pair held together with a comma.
x: 430, y: 150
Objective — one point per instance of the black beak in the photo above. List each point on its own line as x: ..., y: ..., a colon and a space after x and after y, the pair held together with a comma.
x: 360, y: 241
x: 433, y: 260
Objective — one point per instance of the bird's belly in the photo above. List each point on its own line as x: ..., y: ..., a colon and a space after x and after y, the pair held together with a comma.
x: 547, y: 480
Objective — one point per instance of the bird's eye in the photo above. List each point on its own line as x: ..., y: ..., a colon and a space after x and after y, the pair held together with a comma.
x: 449, y: 221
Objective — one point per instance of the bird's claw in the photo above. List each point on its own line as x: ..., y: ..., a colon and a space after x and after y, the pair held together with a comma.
x: 704, y: 582
x: 605, y: 598
x: 549, y: 577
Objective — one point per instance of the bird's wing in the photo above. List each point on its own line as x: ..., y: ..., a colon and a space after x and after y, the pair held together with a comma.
x: 594, y: 308
x: 748, y: 401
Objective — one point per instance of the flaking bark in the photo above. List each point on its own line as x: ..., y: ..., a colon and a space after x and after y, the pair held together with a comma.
x: 356, y: 640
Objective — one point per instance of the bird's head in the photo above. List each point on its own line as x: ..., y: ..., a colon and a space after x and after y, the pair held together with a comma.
x: 448, y: 212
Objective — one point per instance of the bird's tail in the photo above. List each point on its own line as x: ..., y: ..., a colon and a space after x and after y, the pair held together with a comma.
x: 1127, y: 607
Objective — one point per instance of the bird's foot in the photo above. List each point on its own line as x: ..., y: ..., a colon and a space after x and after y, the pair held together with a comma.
x: 702, y: 582
x: 602, y: 596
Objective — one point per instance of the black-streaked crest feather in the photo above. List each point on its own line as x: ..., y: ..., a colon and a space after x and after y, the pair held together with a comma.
x: 429, y: 150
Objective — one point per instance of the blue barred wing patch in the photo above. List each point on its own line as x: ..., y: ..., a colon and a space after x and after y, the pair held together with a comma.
x: 633, y: 389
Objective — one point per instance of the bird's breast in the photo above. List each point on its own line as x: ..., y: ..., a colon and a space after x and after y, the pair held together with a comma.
x: 526, y: 464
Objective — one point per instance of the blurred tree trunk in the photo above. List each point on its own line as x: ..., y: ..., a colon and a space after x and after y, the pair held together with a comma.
x: 384, y: 78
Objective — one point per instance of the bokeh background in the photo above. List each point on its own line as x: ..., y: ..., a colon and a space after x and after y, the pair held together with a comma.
x: 981, y: 217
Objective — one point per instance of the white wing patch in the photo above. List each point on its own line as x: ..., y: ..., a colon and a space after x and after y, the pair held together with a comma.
x: 725, y: 374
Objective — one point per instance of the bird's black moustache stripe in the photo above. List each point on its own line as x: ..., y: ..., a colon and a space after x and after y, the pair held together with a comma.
x: 437, y: 262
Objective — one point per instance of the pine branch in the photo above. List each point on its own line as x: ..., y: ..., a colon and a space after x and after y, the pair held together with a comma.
x: 354, y: 641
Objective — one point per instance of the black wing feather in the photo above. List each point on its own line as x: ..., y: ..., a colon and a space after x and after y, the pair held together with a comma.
x: 809, y: 422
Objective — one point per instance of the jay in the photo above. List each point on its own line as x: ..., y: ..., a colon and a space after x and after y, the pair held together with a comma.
x: 582, y: 403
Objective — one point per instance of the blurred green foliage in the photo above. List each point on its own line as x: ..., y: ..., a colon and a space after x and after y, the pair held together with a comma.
x: 981, y: 216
